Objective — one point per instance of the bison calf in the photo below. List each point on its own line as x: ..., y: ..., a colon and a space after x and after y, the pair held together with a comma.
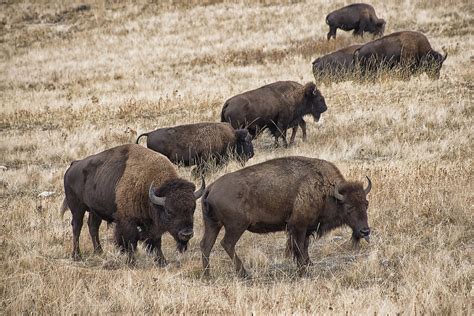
x: 135, y: 188
x: 196, y: 144
x: 303, y: 196
x: 277, y: 106
x: 410, y: 51
x: 359, y: 17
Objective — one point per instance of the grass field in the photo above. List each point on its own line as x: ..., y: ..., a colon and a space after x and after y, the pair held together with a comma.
x: 77, y: 80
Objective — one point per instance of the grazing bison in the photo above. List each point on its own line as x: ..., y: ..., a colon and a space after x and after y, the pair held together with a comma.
x: 198, y: 143
x: 409, y: 50
x: 336, y: 65
x: 277, y: 106
x: 303, y: 196
x: 137, y: 189
x: 359, y: 17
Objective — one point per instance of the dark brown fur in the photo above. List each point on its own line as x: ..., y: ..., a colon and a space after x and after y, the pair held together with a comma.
x: 114, y: 186
x: 293, y: 194
x: 409, y: 50
x: 359, y: 17
x: 335, y: 66
x: 196, y: 144
x: 278, y: 106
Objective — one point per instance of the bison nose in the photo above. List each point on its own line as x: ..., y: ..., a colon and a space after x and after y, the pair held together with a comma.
x: 365, y: 232
x: 185, y: 234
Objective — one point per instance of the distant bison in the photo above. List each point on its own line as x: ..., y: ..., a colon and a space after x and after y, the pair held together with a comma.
x: 409, y: 50
x: 336, y: 65
x: 137, y: 189
x: 359, y: 17
x: 300, y: 195
x: 277, y: 106
x: 195, y: 144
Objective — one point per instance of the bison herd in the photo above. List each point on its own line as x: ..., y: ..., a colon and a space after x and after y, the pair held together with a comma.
x: 139, y: 190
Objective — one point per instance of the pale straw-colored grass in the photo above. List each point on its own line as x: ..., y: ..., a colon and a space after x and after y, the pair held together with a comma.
x: 76, y: 82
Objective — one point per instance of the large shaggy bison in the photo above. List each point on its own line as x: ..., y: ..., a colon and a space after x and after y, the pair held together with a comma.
x: 411, y: 51
x: 359, y: 17
x: 277, y: 106
x: 196, y: 144
x: 136, y: 188
x: 300, y: 195
x: 335, y: 66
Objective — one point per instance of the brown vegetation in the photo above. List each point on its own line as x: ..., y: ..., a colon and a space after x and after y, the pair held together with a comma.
x: 76, y: 81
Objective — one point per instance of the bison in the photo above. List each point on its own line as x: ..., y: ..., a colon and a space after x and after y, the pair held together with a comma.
x: 196, y: 144
x: 277, y: 106
x: 359, y: 17
x: 137, y: 189
x: 300, y: 195
x: 411, y: 51
x: 336, y: 65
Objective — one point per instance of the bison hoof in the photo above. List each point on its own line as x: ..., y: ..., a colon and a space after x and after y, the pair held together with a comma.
x: 161, y: 262
x: 243, y: 274
x: 76, y: 256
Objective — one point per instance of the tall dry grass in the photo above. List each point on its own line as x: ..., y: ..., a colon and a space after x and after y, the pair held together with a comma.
x: 76, y: 80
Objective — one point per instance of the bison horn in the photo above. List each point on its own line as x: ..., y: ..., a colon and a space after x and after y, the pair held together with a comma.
x: 199, y: 192
x: 155, y: 199
x: 338, y: 195
x: 369, y: 186
x: 315, y: 91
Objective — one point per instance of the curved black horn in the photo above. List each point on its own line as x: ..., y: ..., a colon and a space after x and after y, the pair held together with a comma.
x: 200, y: 192
x: 369, y: 186
x: 338, y: 195
x: 155, y: 199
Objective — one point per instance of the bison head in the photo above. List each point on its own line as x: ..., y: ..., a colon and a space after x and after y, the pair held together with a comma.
x: 380, y: 27
x: 353, y: 200
x: 315, y: 102
x: 243, y: 144
x: 433, y: 63
x: 173, y: 206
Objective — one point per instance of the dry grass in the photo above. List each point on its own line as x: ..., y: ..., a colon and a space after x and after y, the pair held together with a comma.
x: 76, y: 81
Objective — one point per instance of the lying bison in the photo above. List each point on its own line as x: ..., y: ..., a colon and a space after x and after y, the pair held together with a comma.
x: 301, y: 195
x: 277, y: 106
x: 411, y: 51
x: 359, y: 17
x: 335, y: 66
x: 137, y: 189
x: 196, y: 144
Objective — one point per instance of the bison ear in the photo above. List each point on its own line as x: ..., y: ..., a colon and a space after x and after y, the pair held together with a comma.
x: 241, y: 134
x: 309, y: 89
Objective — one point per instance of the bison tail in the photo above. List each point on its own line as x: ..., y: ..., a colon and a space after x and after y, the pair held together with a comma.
x: 64, y: 207
x: 138, y: 138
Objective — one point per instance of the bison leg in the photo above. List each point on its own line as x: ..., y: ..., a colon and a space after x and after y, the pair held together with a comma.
x: 126, y: 237
x: 153, y: 245
x: 211, y: 231
x: 332, y: 32
x: 232, y: 235
x: 293, y: 135
x: 299, y: 246
x: 302, y: 124
x: 77, y: 222
x: 94, y: 222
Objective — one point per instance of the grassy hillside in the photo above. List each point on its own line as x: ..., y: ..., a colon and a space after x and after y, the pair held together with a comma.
x: 76, y: 79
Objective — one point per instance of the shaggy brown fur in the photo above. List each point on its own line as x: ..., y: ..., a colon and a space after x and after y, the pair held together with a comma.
x: 198, y: 143
x: 409, y: 50
x: 277, y: 106
x: 335, y: 66
x: 293, y: 194
x: 114, y: 186
x: 359, y: 17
